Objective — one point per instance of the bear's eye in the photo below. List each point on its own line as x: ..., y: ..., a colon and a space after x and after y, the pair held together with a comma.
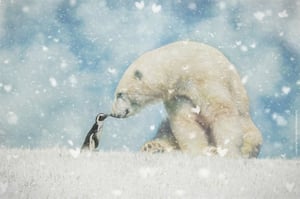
x: 119, y: 95
x: 138, y: 75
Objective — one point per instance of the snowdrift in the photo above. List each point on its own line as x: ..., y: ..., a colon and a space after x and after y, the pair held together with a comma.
x: 64, y: 173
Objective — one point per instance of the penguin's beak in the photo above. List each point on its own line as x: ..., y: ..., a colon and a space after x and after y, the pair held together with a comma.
x: 105, y: 116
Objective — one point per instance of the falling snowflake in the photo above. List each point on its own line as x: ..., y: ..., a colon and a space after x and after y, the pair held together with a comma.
x: 285, y: 90
x: 283, y: 14
x: 259, y: 15
x: 7, y: 88
x: 280, y: 121
x: 253, y: 45
x: 139, y: 5
x: 25, y: 9
x: 196, y: 109
x: 12, y: 118
x: 112, y: 70
x: 63, y: 64
x: 156, y: 8
x: 73, y: 80
x: 152, y: 127
x: 222, y: 152
x: 70, y: 142
x: 73, y: 3
x: 185, y: 67
x: 170, y: 91
x: 227, y: 141
x: 192, y: 6
x: 222, y: 5
x: 53, y: 81
x: 45, y: 48
x: 245, y: 79
x: 192, y: 135
x: 238, y: 43
x: 244, y: 48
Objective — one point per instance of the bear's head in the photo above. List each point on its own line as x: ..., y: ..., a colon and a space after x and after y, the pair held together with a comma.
x: 136, y: 89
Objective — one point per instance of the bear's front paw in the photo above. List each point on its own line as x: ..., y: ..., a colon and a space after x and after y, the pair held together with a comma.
x: 153, y: 148
x: 210, y: 151
x: 157, y: 146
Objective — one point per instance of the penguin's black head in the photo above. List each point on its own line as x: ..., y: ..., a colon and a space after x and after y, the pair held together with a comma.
x: 100, y: 117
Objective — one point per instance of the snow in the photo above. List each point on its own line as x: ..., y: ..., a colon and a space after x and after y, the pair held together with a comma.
x: 204, y: 172
x: 244, y: 48
x: 73, y: 80
x: 192, y: 6
x: 245, y: 79
x: 283, y: 14
x: 259, y: 15
x: 70, y: 142
x: 12, y: 118
x: 222, y: 151
x: 152, y: 127
x: 156, y: 8
x: 222, y: 5
x: 73, y: 2
x: 61, y: 61
x: 196, y: 109
x: 112, y: 70
x: 74, y: 152
x: 139, y: 5
x: 7, y: 88
x: 285, y: 90
x: 280, y: 120
x: 53, y: 81
x: 55, y: 173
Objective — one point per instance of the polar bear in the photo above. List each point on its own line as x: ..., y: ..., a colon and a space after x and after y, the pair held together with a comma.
x: 206, y: 103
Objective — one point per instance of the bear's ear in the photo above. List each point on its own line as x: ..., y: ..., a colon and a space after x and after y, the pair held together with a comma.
x: 138, y: 74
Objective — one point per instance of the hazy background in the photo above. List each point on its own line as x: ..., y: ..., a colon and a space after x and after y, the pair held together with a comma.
x: 60, y: 61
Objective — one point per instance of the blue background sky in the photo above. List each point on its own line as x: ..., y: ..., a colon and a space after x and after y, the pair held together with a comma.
x: 60, y: 61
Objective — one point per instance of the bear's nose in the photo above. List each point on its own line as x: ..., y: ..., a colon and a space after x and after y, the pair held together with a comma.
x: 115, y: 115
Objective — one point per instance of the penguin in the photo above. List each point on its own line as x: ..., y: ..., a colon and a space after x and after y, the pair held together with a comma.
x: 91, y: 141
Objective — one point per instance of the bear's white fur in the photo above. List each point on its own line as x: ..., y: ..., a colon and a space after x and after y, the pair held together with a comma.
x: 203, y: 95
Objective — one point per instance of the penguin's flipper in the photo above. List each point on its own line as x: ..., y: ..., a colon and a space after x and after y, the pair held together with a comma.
x: 91, y: 141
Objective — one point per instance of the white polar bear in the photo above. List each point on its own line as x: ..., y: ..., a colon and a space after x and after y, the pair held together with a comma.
x: 206, y: 103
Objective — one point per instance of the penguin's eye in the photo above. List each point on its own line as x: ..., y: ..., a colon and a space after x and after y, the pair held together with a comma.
x: 100, y: 117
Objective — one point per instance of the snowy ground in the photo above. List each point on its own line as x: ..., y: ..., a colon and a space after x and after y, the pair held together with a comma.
x: 63, y: 173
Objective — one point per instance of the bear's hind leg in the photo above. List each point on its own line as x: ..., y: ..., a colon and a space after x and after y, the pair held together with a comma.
x: 228, y: 135
x: 252, y: 139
